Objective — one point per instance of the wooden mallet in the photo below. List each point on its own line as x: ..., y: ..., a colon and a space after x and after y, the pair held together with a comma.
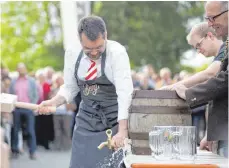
x: 9, y: 102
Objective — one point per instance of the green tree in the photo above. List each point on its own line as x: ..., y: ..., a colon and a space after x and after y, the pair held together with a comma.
x: 153, y: 32
x: 24, y: 30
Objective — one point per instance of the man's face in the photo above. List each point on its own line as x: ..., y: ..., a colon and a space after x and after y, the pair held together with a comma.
x: 93, y: 49
x: 7, y: 82
x: 4, y: 72
x: 59, y: 81
x: 49, y: 74
x: 203, y: 45
x: 166, y: 76
x: 216, y: 18
x: 22, y: 69
x: 41, y: 78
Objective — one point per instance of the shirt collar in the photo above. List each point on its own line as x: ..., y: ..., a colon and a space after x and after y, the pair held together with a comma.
x: 88, y: 59
x: 25, y: 77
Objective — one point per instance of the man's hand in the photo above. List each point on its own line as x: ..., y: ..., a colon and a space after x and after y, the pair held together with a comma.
x: 71, y: 107
x: 44, y: 107
x: 118, y: 139
x: 206, y: 145
x: 169, y: 87
x: 180, y: 89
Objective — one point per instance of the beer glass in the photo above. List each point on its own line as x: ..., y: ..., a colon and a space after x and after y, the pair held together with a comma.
x: 164, y: 143
x: 187, y: 143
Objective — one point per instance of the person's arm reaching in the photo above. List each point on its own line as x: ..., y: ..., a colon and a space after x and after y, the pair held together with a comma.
x: 197, y: 78
x: 124, y: 89
x: 68, y: 90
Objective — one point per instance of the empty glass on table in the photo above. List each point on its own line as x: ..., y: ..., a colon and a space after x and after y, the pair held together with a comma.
x: 164, y: 145
x: 187, y: 143
x: 173, y: 142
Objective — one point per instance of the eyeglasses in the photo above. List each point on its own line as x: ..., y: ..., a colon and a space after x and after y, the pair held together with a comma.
x: 98, y: 49
x: 212, y: 18
x: 198, y: 45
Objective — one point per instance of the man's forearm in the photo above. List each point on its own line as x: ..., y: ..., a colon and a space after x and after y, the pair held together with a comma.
x: 58, y: 100
x: 203, y: 76
x: 123, y: 125
x: 195, y: 79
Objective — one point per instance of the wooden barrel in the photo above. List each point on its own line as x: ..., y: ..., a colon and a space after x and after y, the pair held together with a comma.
x: 154, y: 108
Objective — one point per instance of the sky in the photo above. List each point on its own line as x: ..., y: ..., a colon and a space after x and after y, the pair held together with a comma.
x: 193, y: 59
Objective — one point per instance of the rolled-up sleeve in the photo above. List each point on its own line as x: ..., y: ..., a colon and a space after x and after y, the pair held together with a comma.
x: 122, y: 81
x: 70, y: 88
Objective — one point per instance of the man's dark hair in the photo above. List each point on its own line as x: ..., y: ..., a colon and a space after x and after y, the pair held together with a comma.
x: 92, y: 26
x: 5, y: 77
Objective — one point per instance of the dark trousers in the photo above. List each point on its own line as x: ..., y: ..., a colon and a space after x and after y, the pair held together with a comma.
x: 198, y: 120
x: 44, y: 130
x: 62, y: 129
x: 30, y: 129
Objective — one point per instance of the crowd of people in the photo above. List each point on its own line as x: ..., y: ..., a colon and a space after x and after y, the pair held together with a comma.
x: 44, y: 130
x: 148, y: 79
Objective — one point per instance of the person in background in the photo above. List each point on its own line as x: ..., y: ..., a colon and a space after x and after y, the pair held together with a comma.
x: 136, y: 80
x: 44, y: 124
x: 62, y: 118
x: 49, y: 71
x: 4, y: 71
x: 145, y: 82
x: 149, y: 71
x: 165, y: 75
x: 6, y: 118
x: 26, y: 89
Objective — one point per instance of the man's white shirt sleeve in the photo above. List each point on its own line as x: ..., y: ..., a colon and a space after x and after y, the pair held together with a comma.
x: 122, y: 81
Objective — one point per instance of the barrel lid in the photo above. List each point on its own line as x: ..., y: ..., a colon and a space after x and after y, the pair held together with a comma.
x: 155, y: 94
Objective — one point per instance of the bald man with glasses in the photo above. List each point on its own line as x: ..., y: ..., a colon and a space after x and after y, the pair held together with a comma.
x: 217, y: 16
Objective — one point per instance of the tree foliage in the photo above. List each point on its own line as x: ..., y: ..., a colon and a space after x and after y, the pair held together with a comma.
x: 24, y: 30
x: 153, y: 32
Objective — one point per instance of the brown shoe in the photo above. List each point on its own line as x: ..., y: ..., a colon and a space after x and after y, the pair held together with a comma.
x: 32, y: 156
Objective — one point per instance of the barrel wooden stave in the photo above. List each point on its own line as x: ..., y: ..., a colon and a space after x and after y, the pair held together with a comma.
x: 154, y: 108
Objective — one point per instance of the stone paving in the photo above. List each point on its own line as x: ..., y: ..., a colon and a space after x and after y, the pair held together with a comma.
x: 45, y: 159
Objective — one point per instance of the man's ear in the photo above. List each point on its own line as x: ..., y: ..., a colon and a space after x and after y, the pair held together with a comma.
x: 79, y: 37
x: 210, y: 35
x: 105, y: 35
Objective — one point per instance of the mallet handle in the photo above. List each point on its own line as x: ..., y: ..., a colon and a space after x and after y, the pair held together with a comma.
x: 31, y: 106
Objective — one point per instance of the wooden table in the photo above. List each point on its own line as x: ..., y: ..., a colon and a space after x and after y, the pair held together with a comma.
x: 203, y: 159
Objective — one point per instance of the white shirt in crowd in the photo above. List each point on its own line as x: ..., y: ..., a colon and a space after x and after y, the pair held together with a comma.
x: 62, y: 110
x: 117, y: 70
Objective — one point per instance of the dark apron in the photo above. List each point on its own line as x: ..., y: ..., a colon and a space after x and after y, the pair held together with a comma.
x: 98, y: 112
